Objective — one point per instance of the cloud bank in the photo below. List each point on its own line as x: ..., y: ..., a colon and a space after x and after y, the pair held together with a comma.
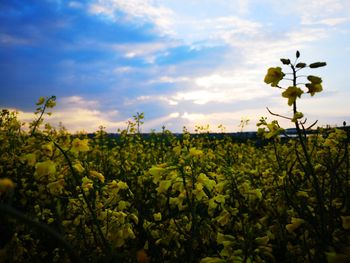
x: 181, y: 64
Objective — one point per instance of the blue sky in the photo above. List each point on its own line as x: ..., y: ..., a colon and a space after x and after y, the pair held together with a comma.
x: 182, y: 63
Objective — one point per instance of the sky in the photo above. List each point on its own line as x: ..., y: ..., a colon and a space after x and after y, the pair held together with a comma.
x: 182, y: 63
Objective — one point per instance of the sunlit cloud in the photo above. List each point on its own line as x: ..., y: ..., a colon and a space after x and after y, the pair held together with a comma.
x: 151, y: 99
x: 232, y: 95
x: 78, y: 114
x: 230, y: 120
x: 168, y: 121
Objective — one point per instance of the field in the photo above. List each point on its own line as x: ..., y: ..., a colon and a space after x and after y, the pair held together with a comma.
x: 170, y: 199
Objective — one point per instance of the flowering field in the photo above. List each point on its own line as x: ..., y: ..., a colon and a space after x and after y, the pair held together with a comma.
x: 74, y: 198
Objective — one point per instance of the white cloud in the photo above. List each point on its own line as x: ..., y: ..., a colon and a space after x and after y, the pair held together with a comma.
x: 313, y: 12
x: 142, y: 10
x: 217, y: 87
x: 77, y: 101
x: 151, y: 99
x: 75, y: 4
x: 175, y: 22
x: 324, y: 12
x: 125, y: 69
x: 169, y: 79
x: 330, y: 21
x: 223, y: 86
x: 231, y: 95
x: 158, y: 123
x: 304, y: 35
x: 147, y: 51
x: 214, y: 30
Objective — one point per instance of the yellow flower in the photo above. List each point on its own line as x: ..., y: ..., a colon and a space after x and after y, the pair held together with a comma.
x: 163, y: 186
x: 5, y: 185
x: 224, y: 218
x: 87, y: 183
x: 78, y: 167
x: 46, y: 168
x: 30, y: 158
x: 208, y: 183
x: 123, y: 205
x: 296, y: 223
x: 274, y: 130
x: 50, y: 103
x: 157, y: 216
x: 224, y: 239
x: 56, y: 188
x: 176, y: 201
x: 177, y: 150
x: 297, y: 116
x: 156, y: 173
x: 291, y: 94
x: 198, y: 191
x: 255, y: 194
x: 128, y: 233
x: 134, y: 218
x: 47, y: 149
x: 122, y: 185
x: 314, y: 79
x: 194, y: 152
x: 80, y: 145
x: 99, y: 176
x: 273, y: 76
x: 313, y: 88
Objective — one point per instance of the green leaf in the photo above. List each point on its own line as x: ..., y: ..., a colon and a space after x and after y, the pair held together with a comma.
x: 297, y: 54
x: 317, y: 64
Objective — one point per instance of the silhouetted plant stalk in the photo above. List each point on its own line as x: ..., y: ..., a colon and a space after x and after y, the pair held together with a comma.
x: 47, y: 103
x: 292, y: 93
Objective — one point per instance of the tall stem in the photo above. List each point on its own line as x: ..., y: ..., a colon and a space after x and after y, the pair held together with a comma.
x: 314, y: 180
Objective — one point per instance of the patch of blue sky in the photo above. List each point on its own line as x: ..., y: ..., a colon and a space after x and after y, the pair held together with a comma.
x: 40, y: 18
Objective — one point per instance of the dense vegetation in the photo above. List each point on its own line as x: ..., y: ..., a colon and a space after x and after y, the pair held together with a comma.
x: 70, y: 198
